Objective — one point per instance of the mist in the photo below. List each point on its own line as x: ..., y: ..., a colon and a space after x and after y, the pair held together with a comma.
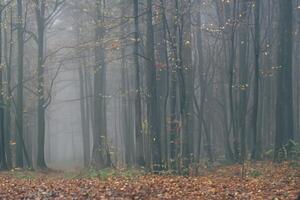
x: 162, y: 86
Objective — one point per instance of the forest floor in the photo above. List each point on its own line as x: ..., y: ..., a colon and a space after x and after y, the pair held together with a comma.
x: 263, y: 180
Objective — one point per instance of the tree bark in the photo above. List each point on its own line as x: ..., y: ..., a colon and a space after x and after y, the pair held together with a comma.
x: 19, y: 112
x: 255, y: 153
x: 284, y: 105
x: 138, y: 106
x: 152, y: 98
x: 101, y: 156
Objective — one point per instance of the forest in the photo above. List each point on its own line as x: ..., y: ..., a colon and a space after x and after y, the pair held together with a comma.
x: 150, y: 99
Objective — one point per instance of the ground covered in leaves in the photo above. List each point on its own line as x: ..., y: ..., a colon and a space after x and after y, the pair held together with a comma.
x: 261, y: 181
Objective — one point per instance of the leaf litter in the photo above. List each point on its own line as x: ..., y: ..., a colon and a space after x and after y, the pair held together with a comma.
x: 264, y: 180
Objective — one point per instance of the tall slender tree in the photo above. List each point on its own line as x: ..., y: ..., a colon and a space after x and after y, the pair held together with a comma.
x: 243, y: 75
x: 140, y: 159
x: 284, y: 105
x: 44, y: 15
x: 3, y: 160
x: 8, y: 53
x: 19, y: 113
x: 40, y: 11
x: 255, y: 145
x: 152, y: 98
x: 100, y: 153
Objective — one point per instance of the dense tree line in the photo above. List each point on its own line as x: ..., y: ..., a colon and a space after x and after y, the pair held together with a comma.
x: 199, y: 80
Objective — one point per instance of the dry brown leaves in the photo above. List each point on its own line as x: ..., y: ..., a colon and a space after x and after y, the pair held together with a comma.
x: 274, y: 182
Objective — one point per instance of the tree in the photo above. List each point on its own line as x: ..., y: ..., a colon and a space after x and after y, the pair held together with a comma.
x: 200, y: 108
x: 187, y: 69
x: 152, y: 97
x: 223, y: 19
x: 256, y: 148
x: 231, y: 64
x: 3, y: 160
x: 84, y: 105
x: 284, y: 105
x: 138, y: 106
x: 100, y: 153
x: 42, y: 20
x: 127, y: 109
x: 19, y: 113
x: 8, y: 54
x: 40, y: 17
x: 243, y: 75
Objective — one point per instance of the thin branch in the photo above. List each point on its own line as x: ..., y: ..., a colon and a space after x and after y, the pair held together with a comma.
x: 49, y: 98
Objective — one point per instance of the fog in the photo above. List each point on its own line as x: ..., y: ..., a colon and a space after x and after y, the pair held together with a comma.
x: 162, y: 85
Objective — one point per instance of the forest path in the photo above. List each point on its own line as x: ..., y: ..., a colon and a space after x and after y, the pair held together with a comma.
x: 262, y: 181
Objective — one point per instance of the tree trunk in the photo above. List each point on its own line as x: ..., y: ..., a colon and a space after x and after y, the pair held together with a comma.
x: 101, y: 155
x: 19, y: 112
x: 8, y: 59
x: 152, y: 99
x: 3, y: 161
x: 255, y: 153
x: 284, y: 105
x: 188, y: 86
x: 40, y: 15
x: 243, y: 85
x: 138, y: 106
x: 231, y: 64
